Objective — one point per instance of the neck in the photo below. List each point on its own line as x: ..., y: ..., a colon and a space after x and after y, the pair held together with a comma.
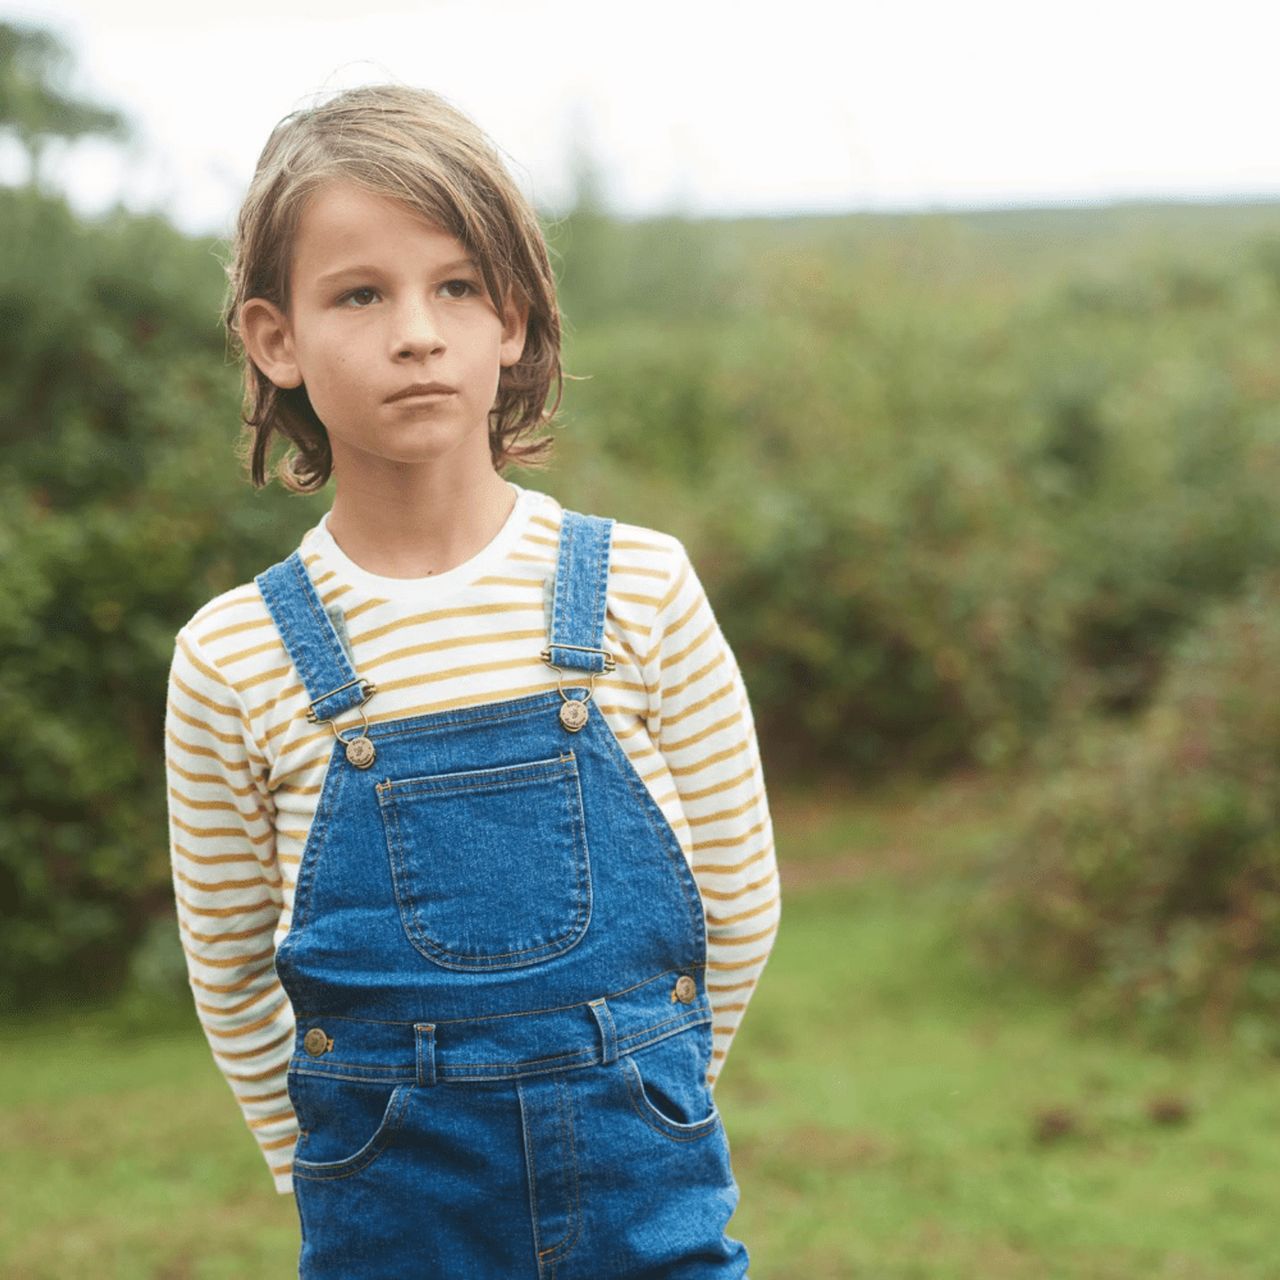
x: 403, y: 524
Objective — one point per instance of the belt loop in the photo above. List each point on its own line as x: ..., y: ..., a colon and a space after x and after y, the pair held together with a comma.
x: 608, y: 1032
x: 426, y: 1052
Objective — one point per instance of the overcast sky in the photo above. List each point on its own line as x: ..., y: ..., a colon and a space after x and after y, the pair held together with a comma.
x: 706, y: 107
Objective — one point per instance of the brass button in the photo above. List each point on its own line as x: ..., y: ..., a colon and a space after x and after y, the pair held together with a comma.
x: 315, y: 1042
x: 573, y: 714
x: 686, y: 988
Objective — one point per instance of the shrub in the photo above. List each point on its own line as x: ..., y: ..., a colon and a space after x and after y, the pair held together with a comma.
x: 1146, y: 879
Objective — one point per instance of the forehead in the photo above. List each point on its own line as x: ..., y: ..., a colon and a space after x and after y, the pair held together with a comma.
x: 342, y: 223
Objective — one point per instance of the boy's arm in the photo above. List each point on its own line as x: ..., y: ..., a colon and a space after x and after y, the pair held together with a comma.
x: 700, y: 719
x: 227, y: 890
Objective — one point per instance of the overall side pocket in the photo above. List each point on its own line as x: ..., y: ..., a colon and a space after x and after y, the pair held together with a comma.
x: 668, y: 1089
x: 343, y: 1124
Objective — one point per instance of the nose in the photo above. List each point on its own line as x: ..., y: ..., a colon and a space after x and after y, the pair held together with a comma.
x: 418, y: 334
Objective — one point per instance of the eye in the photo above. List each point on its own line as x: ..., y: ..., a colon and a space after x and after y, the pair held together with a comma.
x: 467, y: 289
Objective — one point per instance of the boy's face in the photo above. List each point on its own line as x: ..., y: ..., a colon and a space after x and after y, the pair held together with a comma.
x: 381, y: 300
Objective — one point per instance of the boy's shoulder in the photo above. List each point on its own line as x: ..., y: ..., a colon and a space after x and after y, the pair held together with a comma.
x: 238, y: 607
x: 226, y: 612
x: 648, y: 567
x: 644, y: 540
x: 639, y: 544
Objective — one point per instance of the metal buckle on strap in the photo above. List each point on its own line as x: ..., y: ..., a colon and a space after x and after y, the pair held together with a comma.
x: 573, y: 712
x: 367, y: 686
x: 609, y: 663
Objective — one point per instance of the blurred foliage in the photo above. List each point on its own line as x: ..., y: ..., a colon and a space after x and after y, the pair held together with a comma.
x: 121, y: 512
x: 959, y: 487
x: 35, y: 108
x: 938, y: 488
x: 1150, y: 864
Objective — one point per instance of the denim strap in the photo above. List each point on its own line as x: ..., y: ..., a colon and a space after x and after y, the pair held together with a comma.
x: 578, y: 606
x: 310, y: 638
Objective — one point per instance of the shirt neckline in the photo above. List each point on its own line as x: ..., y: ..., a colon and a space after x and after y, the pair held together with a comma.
x: 433, y: 587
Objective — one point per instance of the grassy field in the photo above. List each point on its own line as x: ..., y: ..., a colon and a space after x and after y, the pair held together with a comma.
x: 894, y: 1111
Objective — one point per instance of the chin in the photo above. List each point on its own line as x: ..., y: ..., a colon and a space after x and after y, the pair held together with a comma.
x: 414, y: 443
x: 410, y: 448
x: 413, y: 457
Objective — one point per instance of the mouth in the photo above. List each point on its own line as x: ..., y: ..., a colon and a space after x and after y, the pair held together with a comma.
x: 430, y: 391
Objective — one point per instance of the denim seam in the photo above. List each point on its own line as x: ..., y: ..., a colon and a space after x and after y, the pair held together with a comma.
x: 509, y: 1070
x: 449, y: 783
x: 406, y: 1070
x: 304, y: 883
x: 683, y: 1019
x: 565, y: 1117
x: 531, y: 1168
x: 428, y: 1069
x: 555, y: 1084
x: 573, y: 1146
x: 404, y: 1076
x: 568, y: 527
x: 582, y: 865
x: 324, y: 628
x: 600, y: 584
x: 598, y: 532
x: 665, y: 833
x: 546, y: 1057
x: 294, y: 643
x: 440, y: 721
x: 614, y: 996
x: 606, y: 1029
x: 404, y: 789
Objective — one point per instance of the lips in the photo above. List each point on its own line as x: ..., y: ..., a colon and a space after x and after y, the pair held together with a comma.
x: 422, y: 389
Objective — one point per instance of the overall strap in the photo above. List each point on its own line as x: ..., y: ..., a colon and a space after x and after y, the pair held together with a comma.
x: 578, y: 606
x: 312, y: 640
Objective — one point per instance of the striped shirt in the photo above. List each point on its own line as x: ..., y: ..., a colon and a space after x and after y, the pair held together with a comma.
x: 245, y: 767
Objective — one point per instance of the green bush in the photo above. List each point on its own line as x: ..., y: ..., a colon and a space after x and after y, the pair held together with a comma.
x: 1146, y: 880
x: 933, y: 503
x: 120, y: 513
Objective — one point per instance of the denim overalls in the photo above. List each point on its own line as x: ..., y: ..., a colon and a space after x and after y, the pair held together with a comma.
x: 497, y: 960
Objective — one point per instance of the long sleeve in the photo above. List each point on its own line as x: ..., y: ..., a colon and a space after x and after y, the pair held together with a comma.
x: 700, y: 719
x: 228, y: 894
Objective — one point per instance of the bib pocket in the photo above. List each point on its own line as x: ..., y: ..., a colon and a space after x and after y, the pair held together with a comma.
x: 490, y: 866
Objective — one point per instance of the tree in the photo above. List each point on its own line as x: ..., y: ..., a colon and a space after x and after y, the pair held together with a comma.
x: 35, y: 107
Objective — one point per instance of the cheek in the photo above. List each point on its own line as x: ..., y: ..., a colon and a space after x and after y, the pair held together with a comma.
x: 341, y: 370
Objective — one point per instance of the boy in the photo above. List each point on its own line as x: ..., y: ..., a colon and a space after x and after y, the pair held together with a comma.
x: 470, y: 840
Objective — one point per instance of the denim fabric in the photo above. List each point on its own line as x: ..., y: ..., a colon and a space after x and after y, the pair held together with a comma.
x: 497, y: 961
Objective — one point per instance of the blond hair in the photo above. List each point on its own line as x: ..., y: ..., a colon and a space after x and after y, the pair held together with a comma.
x: 412, y: 145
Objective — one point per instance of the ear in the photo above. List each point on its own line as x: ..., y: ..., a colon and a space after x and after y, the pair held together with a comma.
x: 515, y: 325
x: 268, y: 340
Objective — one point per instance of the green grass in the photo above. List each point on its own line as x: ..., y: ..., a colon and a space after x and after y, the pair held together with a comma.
x: 881, y: 1101
x: 883, y: 1095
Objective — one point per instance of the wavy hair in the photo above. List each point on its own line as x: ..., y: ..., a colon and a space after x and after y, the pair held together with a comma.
x: 414, y: 146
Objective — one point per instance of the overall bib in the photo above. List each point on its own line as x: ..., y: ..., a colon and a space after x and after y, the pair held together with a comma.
x: 497, y: 963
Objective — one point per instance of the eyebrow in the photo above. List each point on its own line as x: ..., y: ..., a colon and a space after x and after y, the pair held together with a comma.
x: 359, y: 269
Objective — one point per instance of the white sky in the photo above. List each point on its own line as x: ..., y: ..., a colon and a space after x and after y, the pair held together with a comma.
x: 701, y: 105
